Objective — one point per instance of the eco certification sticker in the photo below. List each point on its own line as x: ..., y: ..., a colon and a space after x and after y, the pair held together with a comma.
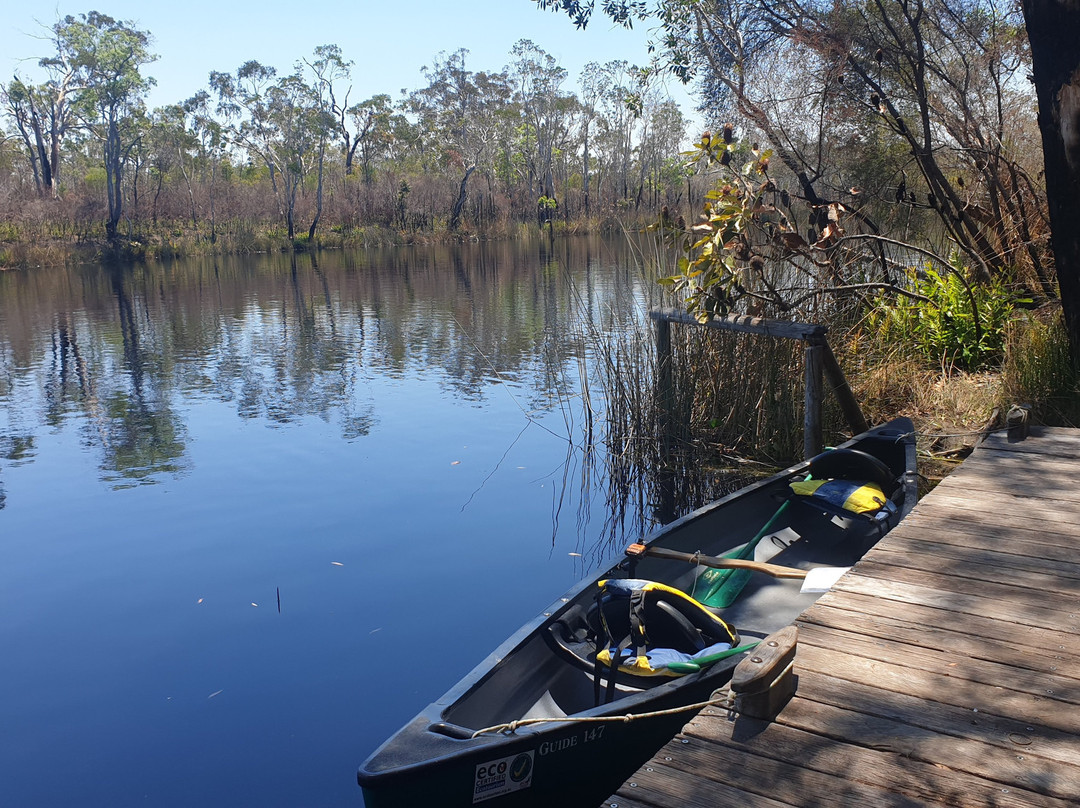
x: 503, y: 776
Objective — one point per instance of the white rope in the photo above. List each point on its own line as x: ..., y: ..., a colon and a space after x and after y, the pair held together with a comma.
x: 720, y: 698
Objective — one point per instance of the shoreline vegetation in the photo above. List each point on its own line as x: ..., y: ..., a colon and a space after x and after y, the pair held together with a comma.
x: 167, y: 242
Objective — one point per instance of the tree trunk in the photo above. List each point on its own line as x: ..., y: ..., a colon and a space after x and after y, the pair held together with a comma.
x: 157, y: 197
x: 190, y: 190
x: 318, y: 194
x: 48, y: 178
x: 32, y: 155
x: 455, y: 214
x: 113, y: 191
x: 585, y: 173
x: 213, y: 209
x: 1053, y: 30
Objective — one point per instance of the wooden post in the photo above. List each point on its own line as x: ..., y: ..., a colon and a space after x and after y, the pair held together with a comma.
x: 813, y: 436
x: 839, y: 384
x: 819, y: 360
x: 1017, y: 420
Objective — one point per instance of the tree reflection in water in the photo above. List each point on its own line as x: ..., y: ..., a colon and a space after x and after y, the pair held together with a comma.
x: 560, y: 327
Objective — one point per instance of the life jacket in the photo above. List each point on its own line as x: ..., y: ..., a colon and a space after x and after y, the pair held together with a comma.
x: 652, y: 629
x: 846, y: 482
x: 844, y: 495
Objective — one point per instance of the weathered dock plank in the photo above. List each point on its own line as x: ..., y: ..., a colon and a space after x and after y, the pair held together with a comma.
x: 972, y: 636
x: 944, y: 669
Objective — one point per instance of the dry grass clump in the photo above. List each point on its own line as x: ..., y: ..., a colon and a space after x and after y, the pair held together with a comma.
x: 951, y: 409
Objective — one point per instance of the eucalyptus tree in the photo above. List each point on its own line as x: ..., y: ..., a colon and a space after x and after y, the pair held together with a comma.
x: 173, y: 144
x: 591, y: 82
x: 280, y: 122
x: 108, y: 55
x: 662, y: 134
x: 362, y: 127
x: 538, y: 81
x: 44, y: 113
x: 139, y: 156
x: 210, y: 137
x: 620, y: 106
x: 459, y: 114
x: 42, y: 116
x: 326, y: 65
x: 375, y: 122
x: 94, y: 81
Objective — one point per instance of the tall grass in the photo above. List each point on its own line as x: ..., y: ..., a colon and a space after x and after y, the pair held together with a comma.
x: 1038, y: 371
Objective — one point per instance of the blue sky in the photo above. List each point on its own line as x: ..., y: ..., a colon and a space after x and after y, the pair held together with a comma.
x: 388, y: 41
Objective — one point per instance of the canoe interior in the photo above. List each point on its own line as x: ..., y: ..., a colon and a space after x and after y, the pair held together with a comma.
x: 537, y: 681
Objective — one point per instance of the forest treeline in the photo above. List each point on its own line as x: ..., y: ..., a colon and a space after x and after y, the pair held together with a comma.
x: 261, y: 158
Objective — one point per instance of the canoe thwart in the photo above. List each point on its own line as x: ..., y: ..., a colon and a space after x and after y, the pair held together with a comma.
x: 764, y: 681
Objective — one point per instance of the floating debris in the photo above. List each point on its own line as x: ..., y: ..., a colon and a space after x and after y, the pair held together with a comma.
x: 337, y: 564
x: 456, y: 463
x: 216, y: 693
x: 253, y: 603
x: 200, y: 600
x: 575, y: 555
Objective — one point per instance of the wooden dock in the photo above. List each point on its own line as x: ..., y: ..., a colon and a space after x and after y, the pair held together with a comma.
x: 944, y: 669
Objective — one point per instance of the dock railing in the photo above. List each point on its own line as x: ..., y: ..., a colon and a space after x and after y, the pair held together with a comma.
x: 819, y: 364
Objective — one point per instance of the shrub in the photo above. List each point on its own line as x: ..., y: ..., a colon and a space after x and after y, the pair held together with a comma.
x: 948, y: 321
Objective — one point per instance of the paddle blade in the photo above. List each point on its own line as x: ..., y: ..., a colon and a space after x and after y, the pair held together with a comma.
x: 821, y: 579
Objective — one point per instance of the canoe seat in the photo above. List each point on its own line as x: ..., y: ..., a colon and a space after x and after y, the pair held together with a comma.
x: 852, y: 464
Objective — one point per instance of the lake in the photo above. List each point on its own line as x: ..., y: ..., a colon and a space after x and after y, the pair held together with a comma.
x: 258, y: 511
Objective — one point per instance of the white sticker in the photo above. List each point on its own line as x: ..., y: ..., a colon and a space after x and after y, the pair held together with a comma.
x: 502, y: 776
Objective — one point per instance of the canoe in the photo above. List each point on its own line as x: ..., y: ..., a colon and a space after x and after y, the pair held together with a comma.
x: 532, y: 725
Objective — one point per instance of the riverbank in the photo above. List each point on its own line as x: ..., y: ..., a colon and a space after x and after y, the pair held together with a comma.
x: 52, y: 244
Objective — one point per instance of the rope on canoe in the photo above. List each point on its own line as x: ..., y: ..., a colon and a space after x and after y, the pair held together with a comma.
x: 720, y: 698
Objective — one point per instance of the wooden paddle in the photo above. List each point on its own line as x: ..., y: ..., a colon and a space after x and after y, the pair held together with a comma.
x: 818, y: 579
x: 775, y: 570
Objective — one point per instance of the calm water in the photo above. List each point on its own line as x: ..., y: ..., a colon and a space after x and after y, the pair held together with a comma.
x: 384, y: 440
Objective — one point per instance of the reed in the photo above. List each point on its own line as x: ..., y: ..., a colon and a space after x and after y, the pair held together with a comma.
x: 736, y: 410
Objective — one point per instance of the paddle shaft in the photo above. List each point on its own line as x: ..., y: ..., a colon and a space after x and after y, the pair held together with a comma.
x: 775, y: 570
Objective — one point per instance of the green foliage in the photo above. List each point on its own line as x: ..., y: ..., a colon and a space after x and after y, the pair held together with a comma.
x: 721, y: 263
x: 95, y: 179
x: 946, y: 321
